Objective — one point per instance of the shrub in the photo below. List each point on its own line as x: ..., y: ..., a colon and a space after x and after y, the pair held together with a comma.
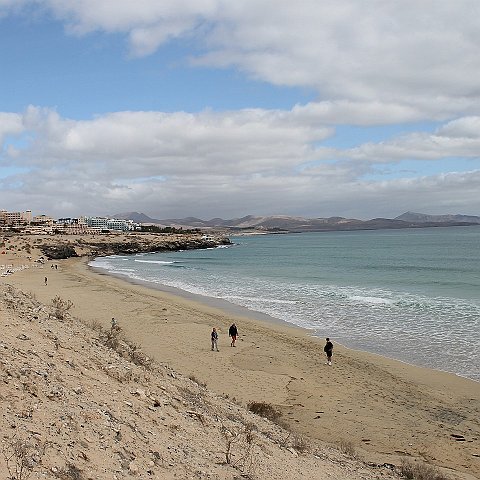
x: 70, y: 472
x: 194, y: 379
x: 266, y: 410
x: 240, y: 443
x: 421, y: 471
x: 347, y: 447
x: 111, y: 338
x: 300, y: 443
x: 61, y: 307
x: 115, y: 340
x: 137, y: 357
x: 22, y: 457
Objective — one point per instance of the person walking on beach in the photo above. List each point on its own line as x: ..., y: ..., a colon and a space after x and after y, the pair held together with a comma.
x: 214, y: 337
x: 46, y: 280
x: 328, y: 349
x: 233, y: 332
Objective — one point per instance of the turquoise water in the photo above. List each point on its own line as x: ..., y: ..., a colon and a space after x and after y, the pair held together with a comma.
x: 413, y: 295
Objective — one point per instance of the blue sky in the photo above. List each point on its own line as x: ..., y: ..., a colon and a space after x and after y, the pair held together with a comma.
x: 207, y: 108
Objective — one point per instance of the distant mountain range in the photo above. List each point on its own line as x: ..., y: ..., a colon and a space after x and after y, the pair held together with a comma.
x: 284, y: 223
x: 424, y: 218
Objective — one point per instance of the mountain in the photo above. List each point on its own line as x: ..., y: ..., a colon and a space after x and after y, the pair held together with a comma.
x: 293, y: 224
x: 424, y: 218
x: 136, y: 217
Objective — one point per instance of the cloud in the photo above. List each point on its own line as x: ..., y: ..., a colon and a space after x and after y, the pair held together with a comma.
x: 10, y: 124
x: 370, y: 63
x: 224, y: 164
x: 457, y: 138
x: 420, y: 59
x: 467, y: 128
x: 143, y: 144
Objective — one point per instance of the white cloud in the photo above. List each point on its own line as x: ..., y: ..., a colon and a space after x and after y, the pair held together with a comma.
x: 371, y: 63
x: 467, y: 128
x: 10, y: 124
x: 458, y: 138
x: 142, y: 144
x: 226, y: 164
x: 420, y: 59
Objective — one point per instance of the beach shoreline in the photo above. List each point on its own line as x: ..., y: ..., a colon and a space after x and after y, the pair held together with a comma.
x: 234, y: 310
x: 227, y: 307
x: 385, y: 409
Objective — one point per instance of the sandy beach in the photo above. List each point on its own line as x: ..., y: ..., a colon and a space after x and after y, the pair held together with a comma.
x: 383, y: 409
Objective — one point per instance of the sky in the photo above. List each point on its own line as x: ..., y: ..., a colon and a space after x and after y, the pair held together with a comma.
x: 215, y: 108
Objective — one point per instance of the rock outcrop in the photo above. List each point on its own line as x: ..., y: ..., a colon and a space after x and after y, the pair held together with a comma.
x: 60, y: 246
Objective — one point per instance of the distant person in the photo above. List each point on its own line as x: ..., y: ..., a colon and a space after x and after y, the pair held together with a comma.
x: 328, y: 349
x: 233, y: 333
x: 46, y: 280
x: 214, y: 337
x: 114, y: 322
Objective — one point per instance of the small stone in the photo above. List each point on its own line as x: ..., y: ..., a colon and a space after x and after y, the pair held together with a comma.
x: 292, y: 451
x: 141, y: 393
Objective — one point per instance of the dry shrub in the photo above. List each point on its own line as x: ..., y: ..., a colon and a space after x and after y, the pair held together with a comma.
x: 421, y: 471
x: 196, y: 399
x: 239, y: 446
x: 70, y: 472
x: 136, y: 356
x: 299, y: 443
x: 194, y: 379
x: 22, y: 457
x: 347, y: 447
x: 61, y: 307
x: 115, y: 340
x: 95, y: 325
x: 122, y: 376
x: 112, y: 338
x: 266, y: 410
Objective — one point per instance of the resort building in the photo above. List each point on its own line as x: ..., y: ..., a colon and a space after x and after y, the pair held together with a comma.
x: 38, y: 224
x: 15, y: 219
x: 105, y: 223
x: 42, y: 220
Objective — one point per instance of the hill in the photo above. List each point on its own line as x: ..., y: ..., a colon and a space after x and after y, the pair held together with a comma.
x: 285, y: 223
x: 424, y: 218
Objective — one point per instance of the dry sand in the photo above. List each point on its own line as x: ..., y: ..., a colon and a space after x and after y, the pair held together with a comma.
x: 383, y: 409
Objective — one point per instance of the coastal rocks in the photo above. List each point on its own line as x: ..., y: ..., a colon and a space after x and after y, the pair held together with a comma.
x: 58, y: 252
x: 59, y: 247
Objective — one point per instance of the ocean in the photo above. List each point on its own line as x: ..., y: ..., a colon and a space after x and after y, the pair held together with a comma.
x: 411, y: 294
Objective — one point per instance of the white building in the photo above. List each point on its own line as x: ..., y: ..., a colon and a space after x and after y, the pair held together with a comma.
x: 104, y: 223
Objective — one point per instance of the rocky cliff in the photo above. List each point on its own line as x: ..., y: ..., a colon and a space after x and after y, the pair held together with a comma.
x: 61, y: 246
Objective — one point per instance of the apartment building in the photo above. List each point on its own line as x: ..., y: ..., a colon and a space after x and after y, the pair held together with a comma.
x: 105, y: 223
x: 46, y: 224
x: 15, y: 219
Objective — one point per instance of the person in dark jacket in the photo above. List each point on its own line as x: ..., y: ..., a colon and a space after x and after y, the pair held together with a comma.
x: 214, y: 338
x: 233, y: 332
x: 328, y: 349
